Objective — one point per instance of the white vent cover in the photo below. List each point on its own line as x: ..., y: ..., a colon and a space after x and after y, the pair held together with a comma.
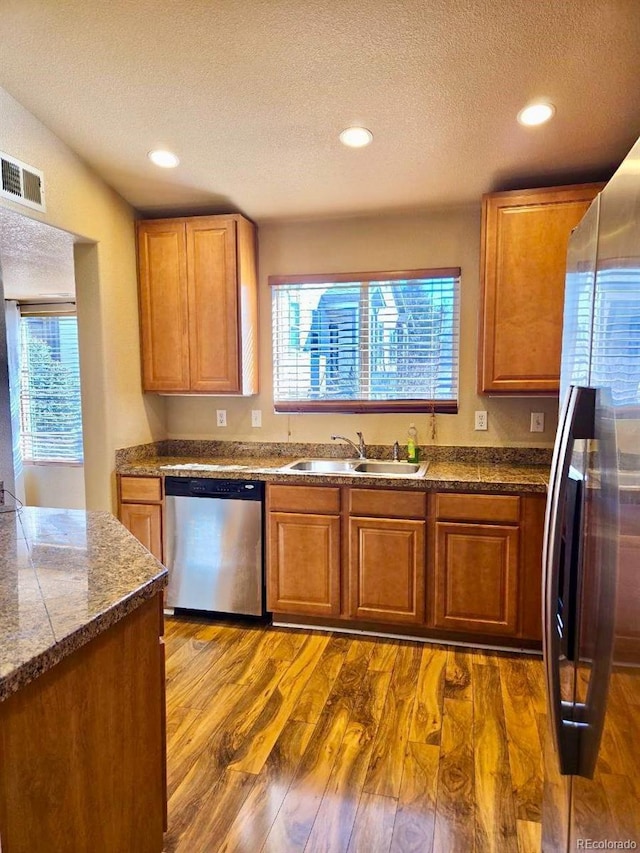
x: 21, y: 183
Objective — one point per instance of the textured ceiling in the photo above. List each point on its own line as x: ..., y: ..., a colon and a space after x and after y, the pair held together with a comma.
x: 251, y: 94
x: 36, y: 260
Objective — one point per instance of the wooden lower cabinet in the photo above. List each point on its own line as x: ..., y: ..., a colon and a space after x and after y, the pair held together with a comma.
x: 387, y: 570
x: 304, y: 563
x: 140, y: 510
x: 145, y: 522
x: 476, y: 578
x: 531, y: 534
x: 82, y: 747
x: 463, y: 563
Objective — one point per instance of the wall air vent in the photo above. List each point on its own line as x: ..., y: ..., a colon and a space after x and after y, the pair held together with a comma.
x: 21, y: 183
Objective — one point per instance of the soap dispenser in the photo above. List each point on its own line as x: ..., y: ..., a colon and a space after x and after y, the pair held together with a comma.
x: 413, y: 454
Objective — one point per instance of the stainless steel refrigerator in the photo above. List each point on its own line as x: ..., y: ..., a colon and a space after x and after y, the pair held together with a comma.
x: 592, y: 538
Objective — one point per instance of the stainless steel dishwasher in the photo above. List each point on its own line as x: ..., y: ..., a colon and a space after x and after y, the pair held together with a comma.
x: 214, y: 545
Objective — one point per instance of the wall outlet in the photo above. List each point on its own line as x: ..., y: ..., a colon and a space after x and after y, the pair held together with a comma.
x: 537, y: 422
x: 482, y: 421
x: 256, y: 418
x: 221, y: 417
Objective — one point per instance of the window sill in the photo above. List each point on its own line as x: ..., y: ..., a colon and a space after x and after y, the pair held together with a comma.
x: 368, y: 407
x: 59, y: 463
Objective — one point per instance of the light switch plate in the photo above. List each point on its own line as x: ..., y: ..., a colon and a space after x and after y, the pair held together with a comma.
x: 256, y: 418
x: 481, y: 422
x: 221, y: 417
x: 537, y: 422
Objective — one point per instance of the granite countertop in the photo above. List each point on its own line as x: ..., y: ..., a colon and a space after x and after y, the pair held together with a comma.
x: 503, y: 473
x: 66, y: 576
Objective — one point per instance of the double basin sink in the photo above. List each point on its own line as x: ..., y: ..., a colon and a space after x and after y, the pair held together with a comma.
x: 358, y: 466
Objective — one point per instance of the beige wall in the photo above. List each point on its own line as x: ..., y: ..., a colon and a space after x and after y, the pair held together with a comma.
x: 54, y: 485
x: 436, y: 239
x: 115, y: 412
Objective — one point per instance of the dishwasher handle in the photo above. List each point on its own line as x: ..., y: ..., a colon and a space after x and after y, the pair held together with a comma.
x: 211, y: 487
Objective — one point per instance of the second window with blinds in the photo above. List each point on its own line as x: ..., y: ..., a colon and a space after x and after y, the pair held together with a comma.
x: 366, y: 342
x: 50, y: 406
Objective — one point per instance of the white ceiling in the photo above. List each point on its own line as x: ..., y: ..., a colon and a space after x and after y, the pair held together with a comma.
x: 36, y: 260
x: 251, y: 94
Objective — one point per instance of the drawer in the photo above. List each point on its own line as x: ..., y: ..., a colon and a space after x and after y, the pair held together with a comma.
x: 387, y: 503
x: 141, y: 489
x: 489, y: 508
x: 315, y: 499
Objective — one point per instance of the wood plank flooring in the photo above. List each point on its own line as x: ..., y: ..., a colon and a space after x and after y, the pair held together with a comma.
x: 282, y: 740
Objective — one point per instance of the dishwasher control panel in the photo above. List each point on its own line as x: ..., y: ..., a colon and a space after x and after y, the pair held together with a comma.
x: 210, y: 487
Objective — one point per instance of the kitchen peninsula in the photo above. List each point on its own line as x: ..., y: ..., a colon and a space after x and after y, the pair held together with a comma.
x: 82, y: 727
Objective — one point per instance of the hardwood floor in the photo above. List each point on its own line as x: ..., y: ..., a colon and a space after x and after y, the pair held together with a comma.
x: 282, y: 740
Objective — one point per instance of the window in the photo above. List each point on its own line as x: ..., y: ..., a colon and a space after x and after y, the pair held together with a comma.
x: 367, y: 342
x: 50, y: 414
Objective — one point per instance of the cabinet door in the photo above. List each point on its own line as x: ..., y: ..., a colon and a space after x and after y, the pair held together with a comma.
x: 532, y: 533
x: 476, y: 578
x: 525, y: 251
x: 303, y: 570
x: 214, y: 345
x: 386, y: 570
x: 145, y: 522
x: 164, y: 321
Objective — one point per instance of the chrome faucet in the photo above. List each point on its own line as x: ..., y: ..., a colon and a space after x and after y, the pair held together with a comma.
x: 396, y: 452
x: 360, y: 447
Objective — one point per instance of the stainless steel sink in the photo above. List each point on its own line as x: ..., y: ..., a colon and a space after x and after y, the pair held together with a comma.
x: 357, y: 466
x: 376, y: 466
x: 324, y: 466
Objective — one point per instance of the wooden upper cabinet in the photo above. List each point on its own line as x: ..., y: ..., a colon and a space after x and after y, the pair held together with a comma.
x: 164, y: 318
x: 524, y: 237
x: 198, y: 305
x: 213, y: 306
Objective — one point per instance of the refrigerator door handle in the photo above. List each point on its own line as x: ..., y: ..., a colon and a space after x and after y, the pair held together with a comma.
x: 576, y: 422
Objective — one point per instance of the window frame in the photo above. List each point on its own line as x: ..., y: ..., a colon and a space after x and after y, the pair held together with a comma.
x: 45, y: 311
x: 371, y: 406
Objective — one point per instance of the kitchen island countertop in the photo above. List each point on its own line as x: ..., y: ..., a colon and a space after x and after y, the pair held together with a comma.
x: 66, y: 576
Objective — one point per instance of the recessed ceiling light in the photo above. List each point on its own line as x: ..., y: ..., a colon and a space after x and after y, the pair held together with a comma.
x: 356, y: 137
x: 536, y: 113
x: 166, y: 159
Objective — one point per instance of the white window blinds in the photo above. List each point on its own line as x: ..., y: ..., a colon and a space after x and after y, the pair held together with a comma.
x: 50, y: 411
x: 374, y: 342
